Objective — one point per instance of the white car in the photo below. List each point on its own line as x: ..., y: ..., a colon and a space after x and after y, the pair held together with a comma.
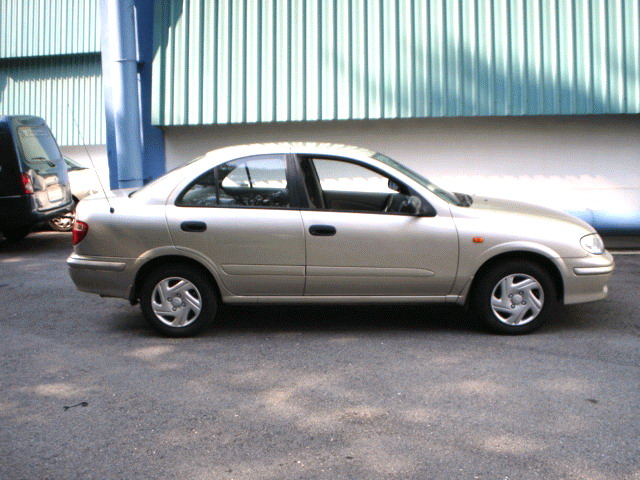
x: 84, y: 182
x: 319, y: 223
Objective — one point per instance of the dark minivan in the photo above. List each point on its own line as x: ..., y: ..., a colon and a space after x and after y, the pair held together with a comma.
x: 34, y: 186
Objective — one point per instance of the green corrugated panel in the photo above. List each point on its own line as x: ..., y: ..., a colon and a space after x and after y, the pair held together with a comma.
x: 48, y: 27
x: 66, y: 91
x: 234, y: 61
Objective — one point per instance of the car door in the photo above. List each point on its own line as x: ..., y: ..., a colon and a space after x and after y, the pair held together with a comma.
x: 240, y: 216
x: 360, y: 244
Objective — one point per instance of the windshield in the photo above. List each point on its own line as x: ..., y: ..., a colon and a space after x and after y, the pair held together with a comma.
x: 74, y: 165
x: 432, y: 187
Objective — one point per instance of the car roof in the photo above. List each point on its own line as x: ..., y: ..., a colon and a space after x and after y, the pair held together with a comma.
x: 307, y: 148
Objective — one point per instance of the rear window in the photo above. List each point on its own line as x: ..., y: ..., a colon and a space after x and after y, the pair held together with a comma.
x: 40, y: 150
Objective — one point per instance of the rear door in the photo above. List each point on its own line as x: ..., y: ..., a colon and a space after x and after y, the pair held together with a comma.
x: 241, y: 216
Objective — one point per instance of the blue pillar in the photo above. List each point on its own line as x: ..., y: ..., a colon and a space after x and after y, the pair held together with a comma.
x: 108, y: 96
x: 135, y: 148
x: 152, y: 137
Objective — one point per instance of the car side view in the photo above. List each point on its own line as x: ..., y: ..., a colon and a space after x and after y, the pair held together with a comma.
x: 324, y: 223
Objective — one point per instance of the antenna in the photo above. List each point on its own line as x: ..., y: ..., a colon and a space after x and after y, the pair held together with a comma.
x: 86, y: 149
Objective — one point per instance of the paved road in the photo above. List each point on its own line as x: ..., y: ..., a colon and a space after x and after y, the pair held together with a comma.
x: 309, y: 393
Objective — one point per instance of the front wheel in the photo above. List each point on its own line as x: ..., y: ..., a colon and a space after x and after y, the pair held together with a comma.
x: 516, y: 297
x: 178, y: 301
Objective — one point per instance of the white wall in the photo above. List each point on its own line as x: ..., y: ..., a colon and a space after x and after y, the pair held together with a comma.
x: 566, y: 162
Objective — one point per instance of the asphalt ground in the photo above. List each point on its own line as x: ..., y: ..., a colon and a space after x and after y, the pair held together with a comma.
x: 309, y: 392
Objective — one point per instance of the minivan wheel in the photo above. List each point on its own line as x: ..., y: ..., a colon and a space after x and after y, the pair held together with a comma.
x: 178, y: 301
x: 515, y: 297
x: 14, y: 235
x: 63, y: 223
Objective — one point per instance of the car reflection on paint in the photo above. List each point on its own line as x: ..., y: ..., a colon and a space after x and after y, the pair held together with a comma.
x: 322, y: 223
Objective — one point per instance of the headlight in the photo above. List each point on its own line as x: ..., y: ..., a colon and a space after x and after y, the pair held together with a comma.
x: 593, y: 244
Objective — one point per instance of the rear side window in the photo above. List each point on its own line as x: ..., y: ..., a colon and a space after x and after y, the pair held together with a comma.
x: 247, y: 182
x: 40, y: 151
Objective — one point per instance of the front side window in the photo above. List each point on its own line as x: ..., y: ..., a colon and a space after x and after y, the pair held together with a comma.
x: 432, y: 187
x: 335, y: 175
x: 246, y: 182
x: 342, y: 185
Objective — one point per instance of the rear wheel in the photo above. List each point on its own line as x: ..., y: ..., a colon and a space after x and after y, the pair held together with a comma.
x: 177, y: 300
x: 518, y: 296
x: 63, y: 223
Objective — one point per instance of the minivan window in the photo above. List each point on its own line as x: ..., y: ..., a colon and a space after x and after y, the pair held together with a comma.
x: 39, y: 150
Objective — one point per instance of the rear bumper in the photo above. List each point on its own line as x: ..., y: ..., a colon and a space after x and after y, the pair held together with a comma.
x: 109, y: 277
x: 18, y: 212
x: 585, y: 279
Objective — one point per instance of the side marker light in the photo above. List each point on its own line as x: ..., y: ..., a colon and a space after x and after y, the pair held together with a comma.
x: 478, y: 239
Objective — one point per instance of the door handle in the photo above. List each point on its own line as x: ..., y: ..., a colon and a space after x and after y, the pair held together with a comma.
x: 322, y: 230
x: 193, y: 226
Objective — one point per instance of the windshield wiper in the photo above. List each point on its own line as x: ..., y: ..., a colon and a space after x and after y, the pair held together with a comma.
x: 41, y: 160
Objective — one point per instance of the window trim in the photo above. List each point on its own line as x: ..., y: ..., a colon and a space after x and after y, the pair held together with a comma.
x: 283, y: 156
x: 428, y: 209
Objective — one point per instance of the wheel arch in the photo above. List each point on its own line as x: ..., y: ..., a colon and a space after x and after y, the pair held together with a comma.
x: 537, y: 258
x: 134, y: 294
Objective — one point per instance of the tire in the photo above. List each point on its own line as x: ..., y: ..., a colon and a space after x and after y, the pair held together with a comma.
x: 516, y: 297
x: 16, y: 234
x: 178, y: 300
x: 63, y: 223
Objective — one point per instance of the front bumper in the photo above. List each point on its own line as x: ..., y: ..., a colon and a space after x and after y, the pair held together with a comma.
x: 585, y: 279
x: 108, y: 277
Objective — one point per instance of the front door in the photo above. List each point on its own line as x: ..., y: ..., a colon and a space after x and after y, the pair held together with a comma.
x: 359, y: 243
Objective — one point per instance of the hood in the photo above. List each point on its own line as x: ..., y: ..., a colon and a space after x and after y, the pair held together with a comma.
x: 84, y: 183
x: 502, y: 222
x: 500, y: 206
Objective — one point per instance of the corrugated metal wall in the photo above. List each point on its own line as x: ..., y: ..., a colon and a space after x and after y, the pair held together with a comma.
x: 50, y: 66
x: 65, y: 91
x: 48, y: 27
x: 226, y: 61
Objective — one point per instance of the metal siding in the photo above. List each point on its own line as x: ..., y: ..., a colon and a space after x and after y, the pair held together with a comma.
x: 65, y: 91
x: 236, y: 61
x: 31, y: 28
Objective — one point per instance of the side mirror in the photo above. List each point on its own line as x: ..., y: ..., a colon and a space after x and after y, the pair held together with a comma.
x: 394, y: 186
x: 411, y: 206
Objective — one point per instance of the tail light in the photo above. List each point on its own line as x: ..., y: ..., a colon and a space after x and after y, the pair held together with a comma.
x: 27, y: 186
x: 80, y: 230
